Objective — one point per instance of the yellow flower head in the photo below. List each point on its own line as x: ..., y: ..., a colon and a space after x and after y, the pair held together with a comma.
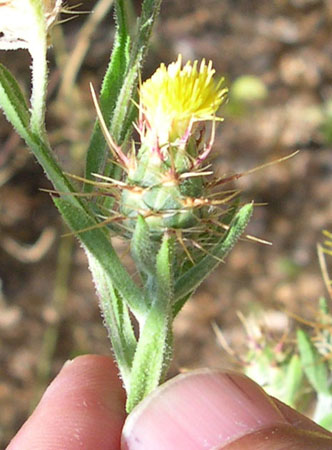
x: 20, y: 20
x: 175, y: 97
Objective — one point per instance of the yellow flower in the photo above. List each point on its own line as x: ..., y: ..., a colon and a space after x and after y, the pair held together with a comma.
x: 20, y: 20
x: 176, y: 97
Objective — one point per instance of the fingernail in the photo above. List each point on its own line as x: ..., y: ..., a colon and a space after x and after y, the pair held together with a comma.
x: 67, y: 363
x: 200, y: 410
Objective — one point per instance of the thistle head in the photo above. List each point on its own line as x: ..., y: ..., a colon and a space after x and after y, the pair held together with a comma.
x: 167, y: 184
x: 176, y: 97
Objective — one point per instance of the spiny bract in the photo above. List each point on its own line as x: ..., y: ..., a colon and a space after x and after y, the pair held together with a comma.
x: 168, y: 182
x: 167, y: 178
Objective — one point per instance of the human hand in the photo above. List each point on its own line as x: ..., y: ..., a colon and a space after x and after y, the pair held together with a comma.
x: 83, y: 408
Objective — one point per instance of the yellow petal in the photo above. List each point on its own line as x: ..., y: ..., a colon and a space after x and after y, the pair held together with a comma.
x: 176, y: 96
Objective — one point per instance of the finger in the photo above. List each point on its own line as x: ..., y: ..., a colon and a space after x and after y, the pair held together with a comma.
x: 204, y: 410
x: 281, y: 437
x: 82, y: 408
x: 298, y: 420
x: 199, y: 410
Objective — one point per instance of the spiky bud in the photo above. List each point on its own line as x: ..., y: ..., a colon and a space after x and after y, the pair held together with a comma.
x: 166, y: 183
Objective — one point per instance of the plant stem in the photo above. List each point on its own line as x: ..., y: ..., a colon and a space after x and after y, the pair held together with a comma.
x: 39, y: 89
x: 83, y: 42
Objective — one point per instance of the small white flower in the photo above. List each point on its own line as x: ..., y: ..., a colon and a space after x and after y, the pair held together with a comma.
x: 20, y: 20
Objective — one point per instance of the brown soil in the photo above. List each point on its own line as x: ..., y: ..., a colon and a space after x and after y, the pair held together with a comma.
x: 48, y: 308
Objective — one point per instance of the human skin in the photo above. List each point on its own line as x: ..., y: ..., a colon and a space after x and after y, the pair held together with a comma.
x: 84, y: 408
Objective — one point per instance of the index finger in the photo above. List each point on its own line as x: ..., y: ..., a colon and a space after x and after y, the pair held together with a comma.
x: 82, y: 408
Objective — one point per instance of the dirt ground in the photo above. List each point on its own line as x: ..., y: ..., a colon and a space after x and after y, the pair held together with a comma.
x: 48, y: 308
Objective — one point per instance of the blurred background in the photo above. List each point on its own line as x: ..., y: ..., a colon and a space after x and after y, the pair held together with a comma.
x: 277, y: 60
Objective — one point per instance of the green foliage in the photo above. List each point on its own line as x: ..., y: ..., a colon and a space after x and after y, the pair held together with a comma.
x: 313, y: 365
x: 168, y: 275
x: 153, y: 354
x: 281, y: 375
x: 97, y: 152
x: 293, y: 381
x: 190, y: 280
x: 144, y: 250
x: 13, y: 103
x: 119, y: 85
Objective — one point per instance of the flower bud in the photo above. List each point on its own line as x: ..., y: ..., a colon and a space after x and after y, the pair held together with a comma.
x: 165, y: 182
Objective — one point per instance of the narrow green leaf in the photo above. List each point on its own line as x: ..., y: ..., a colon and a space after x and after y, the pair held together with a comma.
x: 98, y: 153
x: 165, y: 280
x: 122, y: 114
x: 153, y: 351
x: 180, y: 303
x: 13, y: 103
x: 189, y: 281
x: 99, y: 249
x: 143, y: 248
x: 312, y: 363
x: 126, y: 94
x: 96, y: 242
x: 148, y: 361
x: 116, y: 319
x: 150, y: 11
x: 293, y: 381
x: 46, y: 159
x: 164, y: 268
x: 125, y: 111
x: 215, y: 237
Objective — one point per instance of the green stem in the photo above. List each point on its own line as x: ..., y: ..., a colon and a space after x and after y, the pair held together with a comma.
x: 117, y: 320
x: 45, y: 156
x: 39, y: 89
x: 38, y: 49
x: 154, y: 351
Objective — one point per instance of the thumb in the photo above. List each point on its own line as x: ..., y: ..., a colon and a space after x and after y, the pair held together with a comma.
x: 281, y: 437
x: 206, y: 409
